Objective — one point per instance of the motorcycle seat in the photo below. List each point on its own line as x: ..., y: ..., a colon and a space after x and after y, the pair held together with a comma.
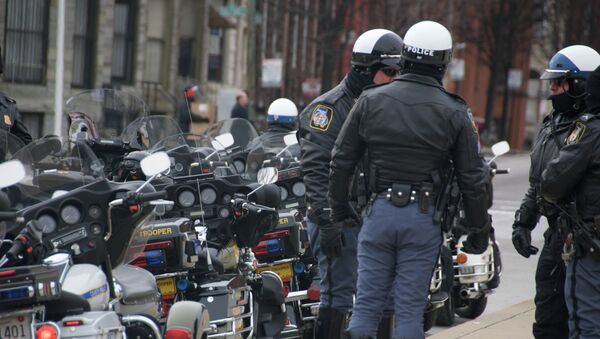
x: 136, y: 283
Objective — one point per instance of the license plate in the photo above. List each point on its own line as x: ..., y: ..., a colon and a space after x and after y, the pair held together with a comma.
x: 284, y: 271
x: 166, y: 286
x: 16, y: 327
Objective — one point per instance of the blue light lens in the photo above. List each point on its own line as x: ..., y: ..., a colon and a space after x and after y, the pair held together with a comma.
x: 182, y: 284
x: 15, y: 293
x: 155, y: 258
x: 274, y: 246
x: 299, y: 267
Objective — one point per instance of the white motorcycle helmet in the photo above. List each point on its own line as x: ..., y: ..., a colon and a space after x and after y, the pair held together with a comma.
x: 427, y: 43
x: 282, y: 110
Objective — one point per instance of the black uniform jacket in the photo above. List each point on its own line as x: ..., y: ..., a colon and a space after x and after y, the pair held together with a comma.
x: 411, y: 128
x: 320, y: 123
x: 546, y: 146
x: 576, y: 170
x: 11, y: 119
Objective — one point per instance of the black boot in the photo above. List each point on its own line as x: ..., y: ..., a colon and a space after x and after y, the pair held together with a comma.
x: 386, y: 327
x: 330, y: 324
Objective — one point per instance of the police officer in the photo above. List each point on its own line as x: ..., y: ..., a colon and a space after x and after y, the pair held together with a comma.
x: 575, y: 173
x: 282, y: 119
x: 410, y: 128
x: 375, y: 57
x: 567, y: 73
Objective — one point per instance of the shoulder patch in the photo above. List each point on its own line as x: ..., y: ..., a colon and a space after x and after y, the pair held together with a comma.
x: 7, y: 120
x: 470, y: 113
x: 321, y: 117
x: 577, y: 132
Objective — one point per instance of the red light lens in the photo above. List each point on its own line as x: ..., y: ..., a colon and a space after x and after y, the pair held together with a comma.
x: 158, y: 245
x: 314, y: 293
x: 46, y: 332
x: 7, y: 273
x: 177, y: 333
x: 273, y: 235
x: 73, y: 323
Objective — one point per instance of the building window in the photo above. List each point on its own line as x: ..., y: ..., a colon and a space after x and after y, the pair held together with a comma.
x: 26, y: 40
x: 185, y: 65
x: 34, y: 121
x: 153, y: 62
x: 123, y: 41
x: 83, y: 43
x: 215, y: 54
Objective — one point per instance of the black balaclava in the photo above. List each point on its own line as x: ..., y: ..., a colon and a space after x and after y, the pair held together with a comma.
x: 572, y: 101
x: 358, y: 80
x: 593, y: 89
x: 434, y: 71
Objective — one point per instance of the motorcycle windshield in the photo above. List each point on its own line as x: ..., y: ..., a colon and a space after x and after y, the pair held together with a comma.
x: 9, y: 145
x: 241, y: 129
x: 145, y: 132
x: 265, y: 154
x: 102, y: 113
x: 188, y: 149
x: 54, y: 165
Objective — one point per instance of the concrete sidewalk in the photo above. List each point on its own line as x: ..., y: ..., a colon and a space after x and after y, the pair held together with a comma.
x: 513, y: 322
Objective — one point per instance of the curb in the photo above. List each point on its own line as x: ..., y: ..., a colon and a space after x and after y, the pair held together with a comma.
x: 513, y: 322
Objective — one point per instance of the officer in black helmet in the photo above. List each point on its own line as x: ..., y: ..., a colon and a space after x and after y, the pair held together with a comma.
x: 11, y: 119
x: 375, y: 59
x: 410, y: 129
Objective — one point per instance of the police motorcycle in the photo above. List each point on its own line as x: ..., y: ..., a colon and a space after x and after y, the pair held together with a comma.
x: 475, y: 276
x: 201, y: 252
x: 65, y: 269
x: 243, y: 133
x: 116, y: 126
x: 286, y: 249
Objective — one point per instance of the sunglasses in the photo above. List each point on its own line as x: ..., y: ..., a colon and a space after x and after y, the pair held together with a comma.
x: 391, y: 72
x: 558, y: 81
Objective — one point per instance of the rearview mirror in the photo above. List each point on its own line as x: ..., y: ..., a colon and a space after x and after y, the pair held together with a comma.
x: 267, y: 175
x: 290, y: 139
x: 155, y: 163
x: 223, y: 141
x: 12, y: 171
x: 500, y: 148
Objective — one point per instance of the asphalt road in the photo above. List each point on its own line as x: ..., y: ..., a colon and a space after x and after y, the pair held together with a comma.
x: 517, y: 283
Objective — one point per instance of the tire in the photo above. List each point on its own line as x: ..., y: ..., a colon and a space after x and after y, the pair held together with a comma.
x: 446, y: 315
x: 189, y: 315
x: 473, y: 309
x: 429, y: 319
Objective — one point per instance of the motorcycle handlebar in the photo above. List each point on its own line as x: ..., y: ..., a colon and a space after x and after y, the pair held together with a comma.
x: 144, y: 197
x: 8, y: 216
x: 501, y: 171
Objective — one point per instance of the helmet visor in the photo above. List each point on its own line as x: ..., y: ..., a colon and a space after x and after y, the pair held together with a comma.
x: 551, y: 74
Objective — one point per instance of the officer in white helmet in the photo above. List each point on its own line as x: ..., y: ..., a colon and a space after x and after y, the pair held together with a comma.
x: 567, y: 73
x: 282, y: 119
x: 410, y: 128
x: 375, y: 58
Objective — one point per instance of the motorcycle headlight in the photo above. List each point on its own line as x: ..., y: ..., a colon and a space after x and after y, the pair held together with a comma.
x: 284, y: 192
x: 299, y: 189
x: 209, y: 195
x: 186, y: 198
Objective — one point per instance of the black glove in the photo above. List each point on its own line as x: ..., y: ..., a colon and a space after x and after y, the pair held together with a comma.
x: 477, y: 242
x: 521, y: 238
x: 342, y: 211
x: 332, y: 239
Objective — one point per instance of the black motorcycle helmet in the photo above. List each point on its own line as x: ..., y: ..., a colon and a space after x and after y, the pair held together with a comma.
x: 376, y: 49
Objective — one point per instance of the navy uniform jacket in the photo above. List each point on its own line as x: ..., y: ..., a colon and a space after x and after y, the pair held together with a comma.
x: 11, y: 119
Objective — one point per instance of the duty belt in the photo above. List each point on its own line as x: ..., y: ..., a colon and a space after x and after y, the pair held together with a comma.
x: 403, y: 194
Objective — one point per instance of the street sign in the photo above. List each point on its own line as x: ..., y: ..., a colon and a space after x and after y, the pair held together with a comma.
x: 232, y: 10
x: 271, y: 72
x: 311, y: 87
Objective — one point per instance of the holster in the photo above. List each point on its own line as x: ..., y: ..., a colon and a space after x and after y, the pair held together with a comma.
x: 425, y: 196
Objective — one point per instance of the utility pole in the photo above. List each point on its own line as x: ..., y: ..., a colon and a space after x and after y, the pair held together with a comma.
x: 251, y: 57
x: 60, y: 65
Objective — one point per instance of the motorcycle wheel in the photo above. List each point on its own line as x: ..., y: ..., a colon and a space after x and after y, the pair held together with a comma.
x: 473, y: 309
x: 189, y: 315
x: 429, y: 319
x: 446, y: 315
